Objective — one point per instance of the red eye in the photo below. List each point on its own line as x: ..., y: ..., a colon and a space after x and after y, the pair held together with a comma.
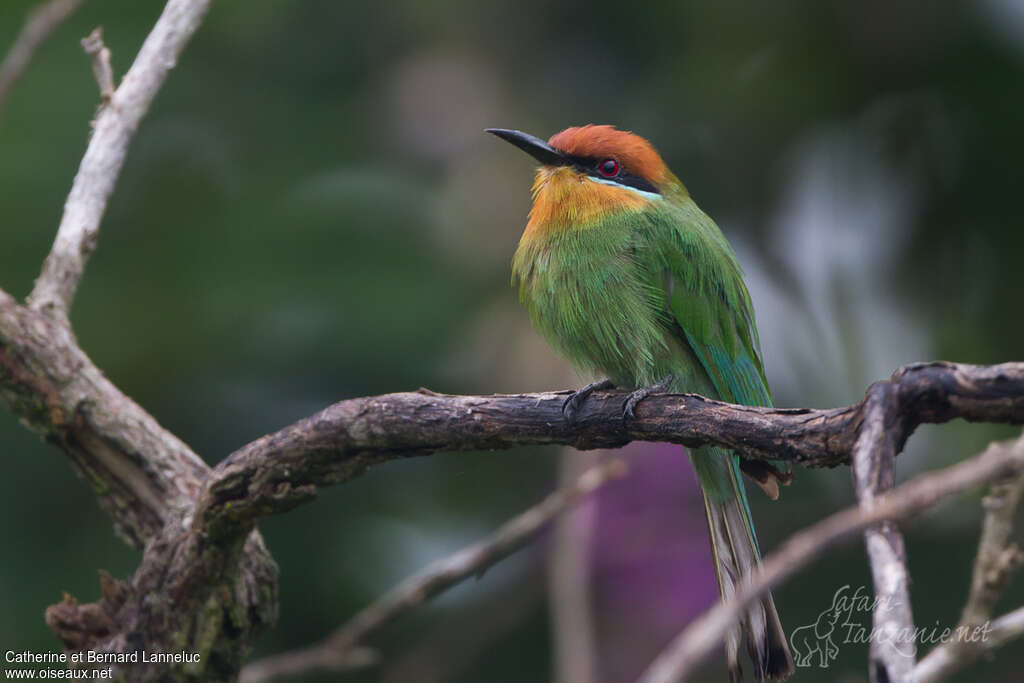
x: 609, y: 168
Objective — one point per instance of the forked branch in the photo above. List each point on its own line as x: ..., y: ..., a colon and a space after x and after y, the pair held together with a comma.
x: 703, y: 636
x: 97, y: 174
x: 997, y: 558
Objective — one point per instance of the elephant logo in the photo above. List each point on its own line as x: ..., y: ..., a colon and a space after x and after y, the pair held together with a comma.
x: 816, y: 638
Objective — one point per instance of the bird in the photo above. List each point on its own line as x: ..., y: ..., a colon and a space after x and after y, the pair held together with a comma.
x: 623, y: 274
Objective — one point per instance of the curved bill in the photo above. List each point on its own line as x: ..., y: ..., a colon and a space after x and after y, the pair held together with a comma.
x: 535, y: 147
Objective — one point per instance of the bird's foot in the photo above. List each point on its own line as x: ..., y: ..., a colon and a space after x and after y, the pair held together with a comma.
x: 640, y: 394
x: 572, y: 403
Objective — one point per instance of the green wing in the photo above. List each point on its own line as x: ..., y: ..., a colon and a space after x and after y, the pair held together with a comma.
x: 706, y: 302
x: 707, y: 307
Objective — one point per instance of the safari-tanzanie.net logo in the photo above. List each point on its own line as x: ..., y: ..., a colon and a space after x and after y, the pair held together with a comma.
x: 848, y: 620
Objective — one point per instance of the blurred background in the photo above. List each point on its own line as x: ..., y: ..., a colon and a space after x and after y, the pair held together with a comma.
x: 311, y: 212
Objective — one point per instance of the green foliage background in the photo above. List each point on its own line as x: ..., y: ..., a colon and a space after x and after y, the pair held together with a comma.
x: 311, y: 212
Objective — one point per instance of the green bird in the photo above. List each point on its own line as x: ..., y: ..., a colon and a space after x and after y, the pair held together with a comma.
x: 625, y: 276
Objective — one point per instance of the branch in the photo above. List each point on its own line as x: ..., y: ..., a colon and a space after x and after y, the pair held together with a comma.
x: 205, y: 579
x: 1006, y: 628
x: 998, y: 556
x: 573, y: 631
x: 114, y: 128
x: 340, y: 651
x: 874, y: 456
x: 101, y: 69
x: 39, y: 24
x: 704, y: 635
x: 186, y: 594
x: 139, y: 471
x: 281, y: 470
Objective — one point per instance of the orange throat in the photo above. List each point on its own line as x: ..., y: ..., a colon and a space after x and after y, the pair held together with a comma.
x: 564, y: 198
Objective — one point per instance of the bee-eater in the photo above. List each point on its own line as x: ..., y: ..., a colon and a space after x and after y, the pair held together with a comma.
x: 624, y: 275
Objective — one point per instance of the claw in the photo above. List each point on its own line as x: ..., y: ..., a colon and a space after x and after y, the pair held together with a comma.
x: 640, y: 394
x: 572, y: 403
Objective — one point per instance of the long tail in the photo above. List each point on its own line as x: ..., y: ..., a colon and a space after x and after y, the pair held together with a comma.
x: 735, y: 553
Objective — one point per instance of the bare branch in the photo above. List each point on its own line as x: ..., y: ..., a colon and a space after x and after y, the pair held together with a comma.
x: 206, y: 580
x: 947, y: 659
x: 573, y: 632
x: 873, y: 461
x: 139, y: 471
x: 195, y: 555
x: 704, y: 635
x: 115, y: 126
x: 340, y: 651
x: 998, y: 556
x: 186, y: 594
x: 39, y: 24
x: 281, y: 470
x: 101, y: 69
x: 1006, y: 628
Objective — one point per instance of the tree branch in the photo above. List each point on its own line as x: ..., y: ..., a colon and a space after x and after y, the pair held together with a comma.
x: 873, y: 462
x: 281, y: 470
x: 186, y: 594
x: 47, y: 380
x: 114, y: 128
x: 101, y: 69
x: 39, y: 24
x: 704, y: 635
x: 947, y: 659
x: 139, y: 472
x: 570, y: 581
x: 340, y: 651
x: 998, y: 556
x: 207, y: 582
x: 1006, y: 628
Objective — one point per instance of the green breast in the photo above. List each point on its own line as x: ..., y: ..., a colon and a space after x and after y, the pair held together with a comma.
x: 588, y: 293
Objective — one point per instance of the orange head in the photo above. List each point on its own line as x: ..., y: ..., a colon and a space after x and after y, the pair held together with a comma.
x: 590, y: 171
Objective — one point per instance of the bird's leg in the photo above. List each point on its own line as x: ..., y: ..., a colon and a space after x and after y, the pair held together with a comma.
x: 572, y: 404
x: 640, y: 394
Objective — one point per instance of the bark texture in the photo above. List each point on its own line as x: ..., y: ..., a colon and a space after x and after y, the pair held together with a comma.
x: 207, y: 584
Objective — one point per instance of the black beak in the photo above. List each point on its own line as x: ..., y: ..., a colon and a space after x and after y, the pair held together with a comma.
x: 535, y: 147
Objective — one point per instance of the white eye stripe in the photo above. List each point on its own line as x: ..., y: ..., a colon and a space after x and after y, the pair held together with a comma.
x: 642, y: 193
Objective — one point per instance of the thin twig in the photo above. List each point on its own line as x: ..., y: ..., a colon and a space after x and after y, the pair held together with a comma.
x: 873, y: 461
x: 115, y: 126
x: 705, y: 634
x: 998, y: 556
x: 101, y: 69
x: 947, y: 659
x: 569, y: 580
x: 341, y: 651
x: 1008, y: 627
x: 39, y: 24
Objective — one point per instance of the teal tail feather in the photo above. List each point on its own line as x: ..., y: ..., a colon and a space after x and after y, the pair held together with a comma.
x: 735, y: 553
